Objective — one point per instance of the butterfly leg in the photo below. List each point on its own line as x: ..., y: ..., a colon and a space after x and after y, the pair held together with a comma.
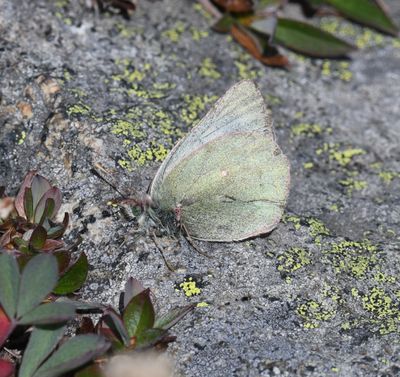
x: 160, y: 249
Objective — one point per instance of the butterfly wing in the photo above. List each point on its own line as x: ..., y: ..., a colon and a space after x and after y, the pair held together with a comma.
x: 231, y: 188
x: 240, y: 109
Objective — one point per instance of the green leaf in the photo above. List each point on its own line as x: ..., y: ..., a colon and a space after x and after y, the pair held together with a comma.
x: 55, y: 312
x: 37, y: 281
x: 46, y: 212
x: 72, y: 354
x: 74, y: 278
x: 168, y: 320
x: 139, y: 314
x: 9, y: 284
x: 309, y: 40
x: 114, y: 322
x: 38, y: 238
x: 42, y: 342
x: 224, y: 24
x: 367, y: 12
x: 149, y: 337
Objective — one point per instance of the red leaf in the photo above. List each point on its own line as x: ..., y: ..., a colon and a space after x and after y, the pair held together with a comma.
x: 6, y: 326
x: 254, y: 45
x: 6, y: 368
x: 235, y: 6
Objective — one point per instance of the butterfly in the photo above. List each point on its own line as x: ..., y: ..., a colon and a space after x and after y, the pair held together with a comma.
x: 227, y: 180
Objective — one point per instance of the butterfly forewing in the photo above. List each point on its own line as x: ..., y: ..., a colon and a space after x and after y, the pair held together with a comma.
x: 240, y: 109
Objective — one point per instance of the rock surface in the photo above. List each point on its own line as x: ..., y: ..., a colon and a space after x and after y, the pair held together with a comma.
x: 320, y: 295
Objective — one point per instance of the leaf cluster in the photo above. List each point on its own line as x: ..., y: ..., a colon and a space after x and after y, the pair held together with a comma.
x: 28, y: 228
x: 261, y: 26
x: 34, y: 316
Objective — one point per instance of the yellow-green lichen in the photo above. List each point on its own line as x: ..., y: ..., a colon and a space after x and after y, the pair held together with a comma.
x: 245, y: 66
x: 344, y: 157
x: 139, y: 155
x: 352, y: 258
x: 198, y: 34
x: 199, y: 8
x: 293, y: 259
x: 295, y: 220
x: 209, y: 69
x: 383, y: 308
x: 381, y: 277
x: 78, y: 109
x: 334, y: 208
x: 313, y: 313
x: 306, y: 129
x: 308, y: 165
x: 317, y: 229
x: 194, y: 105
x: 189, y: 287
x: 126, y: 128
x: 339, y: 70
x: 352, y: 184
x: 202, y: 304
x: 174, y: 34
x: 22, y: 137
x: 368, y: 38
x: 388, y: 176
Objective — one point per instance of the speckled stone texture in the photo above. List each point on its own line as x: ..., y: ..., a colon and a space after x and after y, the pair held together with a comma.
x: 320, y: 295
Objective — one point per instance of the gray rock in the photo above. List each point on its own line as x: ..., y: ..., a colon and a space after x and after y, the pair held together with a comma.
x: 319, y: 295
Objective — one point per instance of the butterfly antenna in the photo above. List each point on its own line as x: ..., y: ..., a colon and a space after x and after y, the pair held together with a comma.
x: 95, y: 171
x: 161, y: 250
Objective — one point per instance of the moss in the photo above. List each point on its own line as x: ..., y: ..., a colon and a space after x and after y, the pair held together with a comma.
x: 293, y: 259
x: 313, y: 313
x: 353, y: 258
x: 209, y: 69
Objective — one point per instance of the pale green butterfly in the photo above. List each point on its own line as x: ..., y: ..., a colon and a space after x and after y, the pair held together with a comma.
x: 227, y: 180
